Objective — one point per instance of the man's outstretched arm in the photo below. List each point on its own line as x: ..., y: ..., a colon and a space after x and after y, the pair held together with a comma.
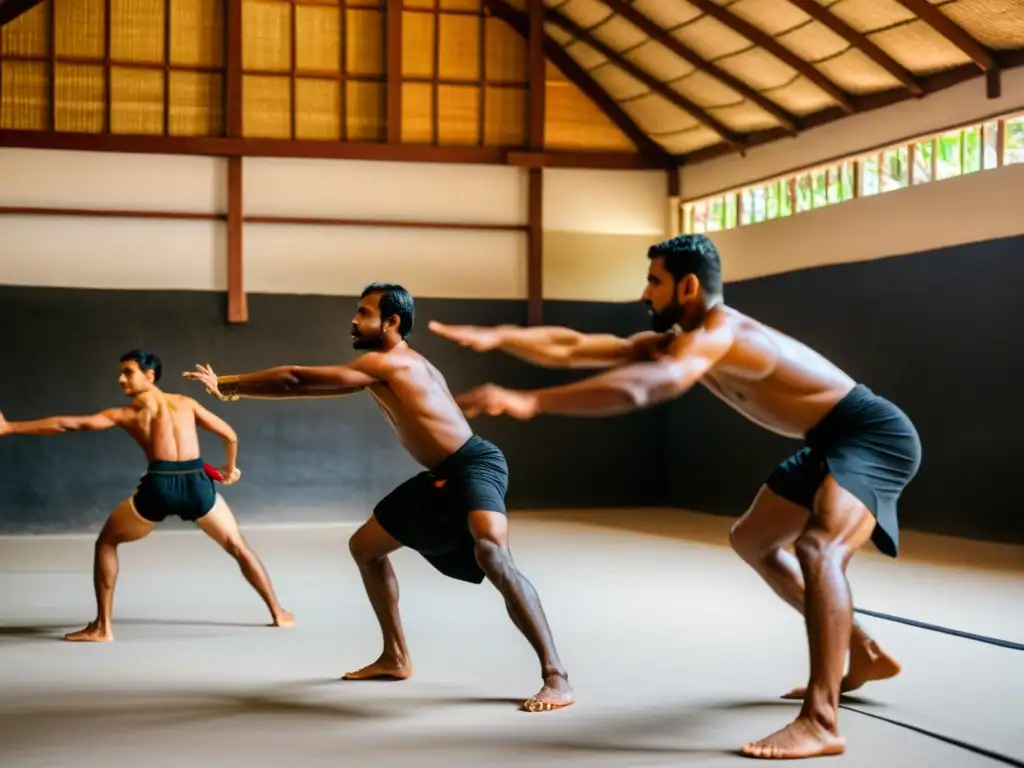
x: 554, y: 346
x: 288, y: 381
x: 623, y: 390
x: 58, y: 425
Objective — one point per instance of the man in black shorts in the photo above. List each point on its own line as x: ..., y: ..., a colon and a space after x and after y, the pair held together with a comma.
x: 177, y: 482
x: 829, y: 499
x: 453, y: 513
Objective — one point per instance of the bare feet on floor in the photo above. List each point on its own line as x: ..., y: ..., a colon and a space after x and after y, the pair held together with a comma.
x: 384, y: 668
x: 867, y: 663
x: 801, y: 738
x: 556, y: 694
x: 284, y: 619
x: 94, y: 633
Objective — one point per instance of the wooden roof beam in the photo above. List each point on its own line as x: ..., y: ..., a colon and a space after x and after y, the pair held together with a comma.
x: 859, y: 41
x: 667, y: 92
x: 655, y: 32
x: 12, y: 9
x: 959, y: 37
x: 519, y: 21
x: 762, y: 39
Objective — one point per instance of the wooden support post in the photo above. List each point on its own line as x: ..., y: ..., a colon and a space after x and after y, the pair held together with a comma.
x: 535, y: 235
x: 674, y: 220
x: 393, y: 48
x: 238, y: 309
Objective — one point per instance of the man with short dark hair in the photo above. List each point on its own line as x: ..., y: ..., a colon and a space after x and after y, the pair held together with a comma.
x: 177, y: 482
x: 453, y: 513
x: 830, y: 498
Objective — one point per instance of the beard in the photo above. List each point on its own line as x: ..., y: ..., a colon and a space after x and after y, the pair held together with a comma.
x: 663, y: 321
x: 370, y: 341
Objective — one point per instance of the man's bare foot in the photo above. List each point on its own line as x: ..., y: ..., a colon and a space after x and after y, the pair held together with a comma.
x: 384, y: 668
x: 94, y: 633
x: 556, y: 694
x: 867, y: 663
x: 801, y: 738
x: 284, y: 619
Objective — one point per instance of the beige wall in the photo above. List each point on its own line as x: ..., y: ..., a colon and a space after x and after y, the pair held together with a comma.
x: 597, y: 228
x: 972, y: 208
x: 963, y: 103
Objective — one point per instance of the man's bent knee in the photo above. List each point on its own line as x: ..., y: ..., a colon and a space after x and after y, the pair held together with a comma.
x: 815, y: 545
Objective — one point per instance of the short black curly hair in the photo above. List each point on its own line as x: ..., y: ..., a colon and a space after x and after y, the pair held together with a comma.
x: 691, y: 255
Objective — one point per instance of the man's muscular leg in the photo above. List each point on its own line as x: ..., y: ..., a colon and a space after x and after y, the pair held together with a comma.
x: 760, y: 538
x: 123, y: 525
x: 220, y: 525
x: 490, y: 532
x: 370, y: 547
x: 840, y: 526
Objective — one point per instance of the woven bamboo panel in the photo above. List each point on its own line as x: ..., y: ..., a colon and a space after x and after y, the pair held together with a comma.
x: 706, y: 91
x: 667, y: 15
x: 585, y: 56
x: 655, y: 114
x: 27, y: 35
x: 417, y: 113
x: 660, y: 61
x: 771, y: 16
x: 505, y: 112
x: 266, y: 106
x: 618, y: 84
x: 813, y: 42
x: 557, y: 34
x: 197, y: 33
x: 758, y: 68
x: 801, y: 97
x: 710, y: 39
x: 196, y: 100
x: 505, y: 52
x: 137, y: 30
x: 317, y: 109
x: 318, y: 38
x: 266, y: 35
x: 572, y: 121
x: 459, y: 47
x: 586, y: 13
x: 744, y: 117
x: 870, y: 15
x: 379, y: 4
x: 418, y: 44
x: 80, y: 104
x: 25, y: 100
x: 998, y: 24
x: 619, y: 34
x: 136, y: 101
x: 421, y: 4
x: 920, y: 48
x: 460, y: 5
x: 688, y: 141
x: 364, y: 42
x: 364, y: 111
x: 458, y: 115
x: 79, y: 30
x: 853, y: 71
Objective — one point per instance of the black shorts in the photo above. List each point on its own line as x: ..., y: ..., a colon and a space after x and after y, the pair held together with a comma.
x: 434, y: 521
x: 179, y: 488
x: 872, y: 450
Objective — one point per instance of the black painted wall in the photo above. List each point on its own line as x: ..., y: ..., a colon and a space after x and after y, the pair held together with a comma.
x: 305, y: 461
x: 939, y: 334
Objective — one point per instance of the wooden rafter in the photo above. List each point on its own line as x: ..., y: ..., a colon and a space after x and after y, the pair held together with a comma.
x: 665, y: 91
x: 762, y: 39
x: 663, y: 36
x: 519, y: 21
x: 956, y: 35
x: 861, y: 43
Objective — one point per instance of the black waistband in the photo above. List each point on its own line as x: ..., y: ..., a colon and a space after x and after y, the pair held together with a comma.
x: 188, y: 467
x: 467, y: 452
x: 845, y: 415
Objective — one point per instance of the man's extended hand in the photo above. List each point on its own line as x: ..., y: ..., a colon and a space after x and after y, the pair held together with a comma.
x: 204, y: 375
x: 5, y: 428
x: 476, y: 337
x: 493, y: 400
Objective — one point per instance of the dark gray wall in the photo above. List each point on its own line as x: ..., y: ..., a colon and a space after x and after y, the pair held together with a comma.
x: 312, y: 460
x: 939, y: 334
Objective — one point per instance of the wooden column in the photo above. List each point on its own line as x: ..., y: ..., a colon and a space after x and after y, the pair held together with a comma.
x: 238, y: 309
x: 675, y: 226
x: 535, y: 233
x: 393, y: 48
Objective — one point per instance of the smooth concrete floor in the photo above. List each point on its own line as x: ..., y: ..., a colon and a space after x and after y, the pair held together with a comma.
x: 677, y: 651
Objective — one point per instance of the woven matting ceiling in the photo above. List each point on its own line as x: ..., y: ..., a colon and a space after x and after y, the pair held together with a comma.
x: 705, y: 74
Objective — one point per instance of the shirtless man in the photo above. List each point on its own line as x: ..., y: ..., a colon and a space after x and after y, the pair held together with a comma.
x: 453, y: 513
x: 828, y: 499
x: 176, y: 483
